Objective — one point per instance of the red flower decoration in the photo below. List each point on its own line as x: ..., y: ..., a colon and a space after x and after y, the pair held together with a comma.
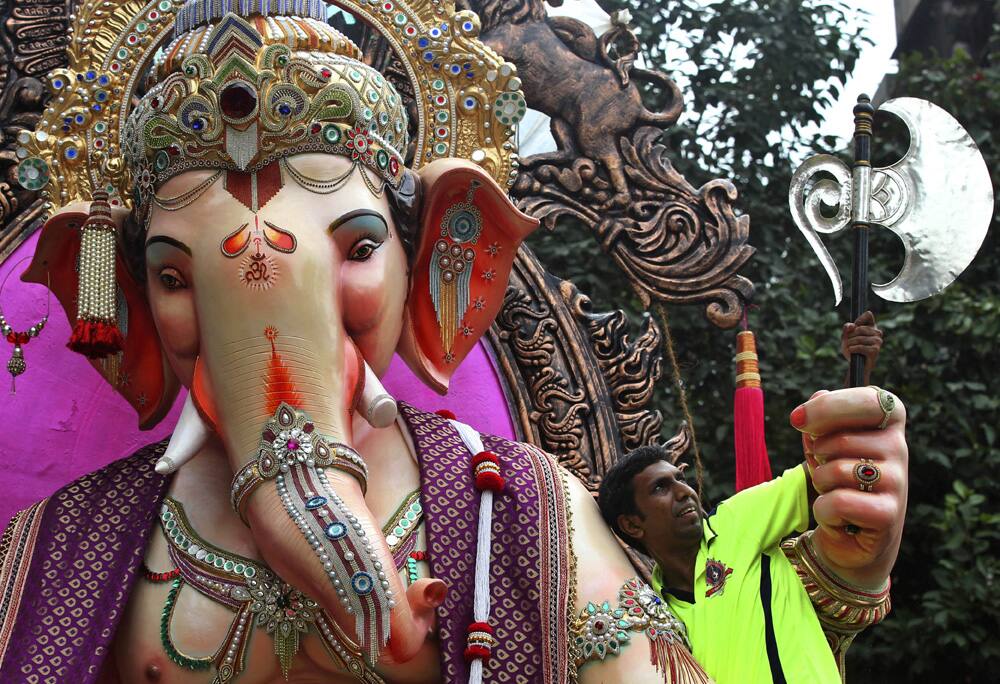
x: 359, y: 142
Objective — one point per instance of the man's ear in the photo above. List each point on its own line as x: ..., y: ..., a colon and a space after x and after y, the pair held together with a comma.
x: 630, y: 524
x: 140, y: 372
x: 469, y: 234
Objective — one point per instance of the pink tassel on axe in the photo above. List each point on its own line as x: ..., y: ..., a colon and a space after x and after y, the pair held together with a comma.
x: 752, y: 463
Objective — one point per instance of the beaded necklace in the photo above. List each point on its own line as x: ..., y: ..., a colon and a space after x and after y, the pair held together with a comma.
x: 259, y: 597
x: 16, y: 365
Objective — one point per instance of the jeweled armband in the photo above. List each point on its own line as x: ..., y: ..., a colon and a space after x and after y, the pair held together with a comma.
x: 602, y: 631
x: 296, y: 457
x: 844, y: 610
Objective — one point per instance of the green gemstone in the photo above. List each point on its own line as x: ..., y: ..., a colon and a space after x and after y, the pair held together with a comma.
x: 162, y: 160
x: 591, y: 609
x: 164, y: 5
x: 383, y: 160
x: 141, y: 27
x: 437, y: 84
x: 372, y: 96
x: 622, y: 636
x: 229, y: 565
x: 219, y: 562
x: 239, y: 568
x: 405, y: 524
x: 441, y: 149
x: 442, y: 116
x: 601, y: 650
x: 171, y: 524
x: 209, y: 557
x: 249, y: 572
x: 122, y: 53
x: 411, y: 516
x: 331, y: 134
x: 416, y: 507
x: 398, y: 531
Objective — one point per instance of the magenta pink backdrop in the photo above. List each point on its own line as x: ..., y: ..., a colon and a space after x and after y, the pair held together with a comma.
x: 65, y: 421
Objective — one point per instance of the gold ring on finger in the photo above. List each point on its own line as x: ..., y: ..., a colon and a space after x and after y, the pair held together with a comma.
x: 887, y: 403
x: 867, y: 474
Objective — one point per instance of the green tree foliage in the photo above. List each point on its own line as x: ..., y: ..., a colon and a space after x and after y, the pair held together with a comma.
x: 757, y: 75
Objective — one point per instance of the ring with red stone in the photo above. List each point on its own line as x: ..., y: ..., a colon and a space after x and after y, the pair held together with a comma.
x: 867, y: 474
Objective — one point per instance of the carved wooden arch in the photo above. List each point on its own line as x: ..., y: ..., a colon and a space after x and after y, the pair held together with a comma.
x: 578, y: 385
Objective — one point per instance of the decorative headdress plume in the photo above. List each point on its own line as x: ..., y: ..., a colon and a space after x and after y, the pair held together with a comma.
x: 238, y: 84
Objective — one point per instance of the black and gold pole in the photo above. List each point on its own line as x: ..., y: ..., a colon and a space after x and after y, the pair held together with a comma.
x: 861, y: 176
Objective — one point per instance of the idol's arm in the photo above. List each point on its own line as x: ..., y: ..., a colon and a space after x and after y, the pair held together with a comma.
x: 855, y: 447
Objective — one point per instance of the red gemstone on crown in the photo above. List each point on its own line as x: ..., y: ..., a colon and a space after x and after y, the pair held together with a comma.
x: 293, y: 445
x: 237, y: 101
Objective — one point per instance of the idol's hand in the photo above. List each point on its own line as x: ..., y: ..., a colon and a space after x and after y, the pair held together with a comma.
x: 855, y: 446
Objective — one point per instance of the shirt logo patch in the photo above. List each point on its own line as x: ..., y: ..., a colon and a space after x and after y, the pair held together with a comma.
x: 716, y: 574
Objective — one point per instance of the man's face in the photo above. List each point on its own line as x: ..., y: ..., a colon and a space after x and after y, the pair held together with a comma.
x: 669, y: 510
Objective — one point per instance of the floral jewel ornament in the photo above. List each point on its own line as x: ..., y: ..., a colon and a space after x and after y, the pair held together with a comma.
x: 16, y: 365
x: 295, y: 456
x: 284, y: 611
x: 602, y: 631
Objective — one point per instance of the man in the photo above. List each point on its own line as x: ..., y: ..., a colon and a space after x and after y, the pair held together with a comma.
x: 742, y: 596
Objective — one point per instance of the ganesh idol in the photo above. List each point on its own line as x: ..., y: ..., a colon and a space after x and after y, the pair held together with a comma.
x: 242, y: 207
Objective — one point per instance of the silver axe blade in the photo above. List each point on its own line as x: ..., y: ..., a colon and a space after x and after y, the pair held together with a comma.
x: 938, y: 199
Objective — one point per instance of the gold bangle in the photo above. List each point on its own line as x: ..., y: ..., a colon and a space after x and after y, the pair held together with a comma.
x: 244, y: 484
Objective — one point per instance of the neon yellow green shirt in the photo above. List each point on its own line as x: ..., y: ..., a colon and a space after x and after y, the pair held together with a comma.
x: 732, y: 635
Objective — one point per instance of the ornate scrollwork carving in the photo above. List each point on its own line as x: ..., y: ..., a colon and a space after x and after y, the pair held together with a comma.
x: 673, y: 242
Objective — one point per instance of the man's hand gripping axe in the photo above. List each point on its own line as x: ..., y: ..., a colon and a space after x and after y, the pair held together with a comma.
x: 938, y: 199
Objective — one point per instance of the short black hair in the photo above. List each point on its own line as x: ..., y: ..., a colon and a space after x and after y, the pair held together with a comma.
x: 616, y: 496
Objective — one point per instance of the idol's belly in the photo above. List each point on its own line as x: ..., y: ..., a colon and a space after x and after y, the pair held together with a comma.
x: 198, y: 628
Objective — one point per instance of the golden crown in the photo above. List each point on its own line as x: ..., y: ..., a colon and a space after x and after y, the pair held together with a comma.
x: 237, y: 84
x: 468, y: 100
x: 241, y: 93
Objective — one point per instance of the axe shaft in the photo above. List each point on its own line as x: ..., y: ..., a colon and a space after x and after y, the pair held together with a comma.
x: 860, y: 205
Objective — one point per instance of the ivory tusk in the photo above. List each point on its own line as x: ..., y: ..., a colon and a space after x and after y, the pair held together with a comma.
x: 378, y: 406
x: 189, y: 437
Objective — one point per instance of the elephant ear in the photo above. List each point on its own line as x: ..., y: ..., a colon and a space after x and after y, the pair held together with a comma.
x: 140, y: 372
x: 469, y: 235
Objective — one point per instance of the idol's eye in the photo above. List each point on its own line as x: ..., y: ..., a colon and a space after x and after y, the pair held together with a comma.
x: 363, y: 249
x: 171, y: 279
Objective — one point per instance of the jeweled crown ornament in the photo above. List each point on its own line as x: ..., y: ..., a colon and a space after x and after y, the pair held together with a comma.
x: 938, y: 199
x: 237, y: 84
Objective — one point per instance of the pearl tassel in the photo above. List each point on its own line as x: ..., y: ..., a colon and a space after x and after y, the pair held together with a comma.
x: 96, y: 334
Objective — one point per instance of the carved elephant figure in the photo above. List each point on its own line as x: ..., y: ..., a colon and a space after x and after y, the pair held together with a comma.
x: 347, y: 283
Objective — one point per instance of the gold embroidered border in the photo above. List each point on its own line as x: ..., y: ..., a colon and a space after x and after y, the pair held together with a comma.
x: 16, y: 551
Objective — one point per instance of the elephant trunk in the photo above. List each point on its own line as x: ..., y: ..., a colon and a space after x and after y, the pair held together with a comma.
x: 278, y: 360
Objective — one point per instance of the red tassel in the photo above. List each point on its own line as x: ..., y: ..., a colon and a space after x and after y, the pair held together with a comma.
x: 446, y: 414
x: 752, y: 463
x: 96, y: 339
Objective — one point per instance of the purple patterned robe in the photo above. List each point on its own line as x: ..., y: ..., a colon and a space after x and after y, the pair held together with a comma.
x: 67, y: 563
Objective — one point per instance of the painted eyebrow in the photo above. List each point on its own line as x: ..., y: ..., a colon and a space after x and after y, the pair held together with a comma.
x: 360, y: 214
x: 169, y: 241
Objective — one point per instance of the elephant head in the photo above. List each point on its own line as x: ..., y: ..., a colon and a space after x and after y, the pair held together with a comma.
x: 276, y: 249
x: 254, y: 310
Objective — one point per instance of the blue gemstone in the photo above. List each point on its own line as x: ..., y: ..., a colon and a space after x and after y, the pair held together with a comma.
x: 97, y: 107
x: 57, y: 83
x: 284, y: 110
x: 455, y: 69
x: 315, y: 502
x: 423, y: 42
x: 428, y: 56
x: 71, y: 153
x: 197, y: 124
x: 68, y: 120
x: 91, y: 75
x: 335, y: 531
x: 103, y: 80
x: 435, y: 33
x: 79, y: 118
x: 362, y: 583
